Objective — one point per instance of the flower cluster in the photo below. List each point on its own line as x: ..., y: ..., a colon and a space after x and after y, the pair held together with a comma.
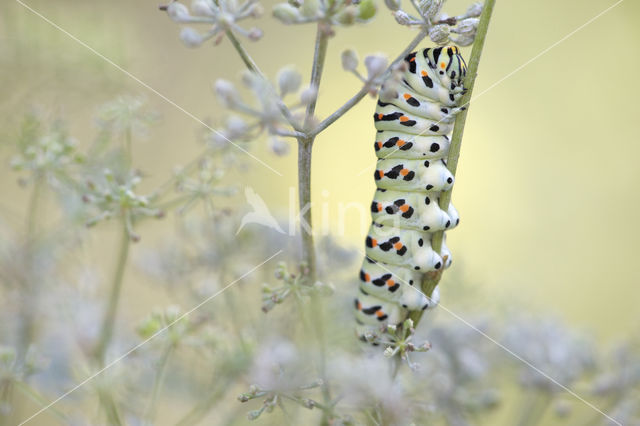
x: 115, y: 198
x: 442, y: 29
x: 220, y: 16
x: 43, y: 152
x: 297, y: 285
x: 338, y: 12
x: 265, y: 115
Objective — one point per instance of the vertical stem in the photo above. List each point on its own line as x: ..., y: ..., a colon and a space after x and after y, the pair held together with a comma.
x: 106, y: 331
x: 158, y: 382
x: 305, y: 147
x: 319, y: 56
x: 29, y: 294
x: 432, y: 279
x: 128, y: 147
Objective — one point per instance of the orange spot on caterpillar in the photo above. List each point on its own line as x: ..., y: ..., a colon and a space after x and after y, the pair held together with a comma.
x: 404, y: 208
x: 442, y: 65
x: 407, y: 96
x: 400, y: 142
x: 380, y: 174
x: 359, y: 307
x: 379, y: 144
x: 404, y: 172
x: 380, y: 116
x: 390, y: 283
x: 424, y: 73
x: 379, y: 313
x: 413, y: 59
x: 404, y: 118
x: 397, y: 246
x: 366, y: 277
x: 374, y: 242
x: 379, y: 207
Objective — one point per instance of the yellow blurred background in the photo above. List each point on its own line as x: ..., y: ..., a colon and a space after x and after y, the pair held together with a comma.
x: 546, y: 185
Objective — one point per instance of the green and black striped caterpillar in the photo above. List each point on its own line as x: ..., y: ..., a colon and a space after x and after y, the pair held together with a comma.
x: 414, y: 118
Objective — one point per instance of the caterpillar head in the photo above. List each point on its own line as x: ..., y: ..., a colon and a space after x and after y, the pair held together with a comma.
x: 449, y: 65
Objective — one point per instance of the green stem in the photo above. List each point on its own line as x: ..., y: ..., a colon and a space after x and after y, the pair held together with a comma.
x: 128, y: 147
x: 432, y: 279
x: 106, y: 331
x: 534, y: 408
x: 158, y: 382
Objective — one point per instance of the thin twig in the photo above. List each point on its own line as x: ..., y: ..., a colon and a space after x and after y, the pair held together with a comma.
x: 367, y: 87
x: 253, y: 67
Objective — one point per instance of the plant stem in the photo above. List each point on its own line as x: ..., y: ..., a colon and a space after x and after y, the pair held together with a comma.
x: 158, y: 382
x: 319, y: 56
x: 106, y: 331
x: 432, y: 279
x: 305, y: 147
x: 366, y: 88
x: 253, y: 67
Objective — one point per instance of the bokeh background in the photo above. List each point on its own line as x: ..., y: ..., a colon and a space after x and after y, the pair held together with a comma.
x: 547, y: 184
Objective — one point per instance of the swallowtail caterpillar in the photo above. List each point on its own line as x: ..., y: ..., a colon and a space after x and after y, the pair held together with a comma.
x: 414, y: 118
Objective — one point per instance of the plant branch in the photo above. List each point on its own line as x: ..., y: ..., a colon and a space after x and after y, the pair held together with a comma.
x: 106, y: 331
x: 367, y: 87
x: 432, y: 279
x: 253, y: 67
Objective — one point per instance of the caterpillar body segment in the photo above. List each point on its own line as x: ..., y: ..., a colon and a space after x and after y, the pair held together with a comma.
x: 391, y: 117
x: 403, y: 247
x: 412, y: 175
x: 393, y: 144
x: 387, y: 282
x: 412, y: 210
x: 413, y: 118
x: 372, y: 310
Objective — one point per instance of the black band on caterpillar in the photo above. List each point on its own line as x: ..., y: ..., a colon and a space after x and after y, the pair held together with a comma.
x: 413, y: 118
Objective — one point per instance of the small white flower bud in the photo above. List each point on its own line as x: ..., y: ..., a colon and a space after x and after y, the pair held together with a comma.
x: 376, y: 65
x: 349, y: 60
x: 393, y: 5
x: 474, y: 10
x: 227, y: 92
x: 190, y: 37
x: 467, y: 26
x: 237, y: 127
x: 308, y: 95
x: 430, y: 8
x: 255, y: 34
x: 439, y: 34
x: 279, y: 146
x: 348, y: 15
x: 310, y: 8
x: 289, y: 80
x: 202, y: 8
x: 401, y: 17
x: 256, y: 10
x: 463, y: 40
x: 178, y: 12
x: 389, y: 352
x: 286, y: 13
x: 252, y: 415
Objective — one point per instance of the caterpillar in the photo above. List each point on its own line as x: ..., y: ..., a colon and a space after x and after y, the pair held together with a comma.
x: 414, y: 117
